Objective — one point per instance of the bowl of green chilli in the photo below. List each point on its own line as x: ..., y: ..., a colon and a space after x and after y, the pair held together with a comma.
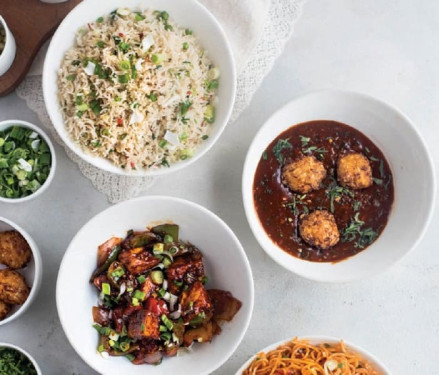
x: 27, y: 161
x: 16, y: 361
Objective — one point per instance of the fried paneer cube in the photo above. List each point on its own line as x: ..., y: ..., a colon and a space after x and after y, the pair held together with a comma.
x: 195, y: 303
x: 304, y: 175
x: 13, y: 287
x: 4, y: 310
x: 319, y: 229
x: 187, y: 269
x: 354, y: 171
x: 144, y: 325
x: 15, y: 252
x: 138, y: 260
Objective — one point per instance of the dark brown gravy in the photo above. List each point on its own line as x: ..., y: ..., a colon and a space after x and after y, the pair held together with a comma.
x: 279, y: 209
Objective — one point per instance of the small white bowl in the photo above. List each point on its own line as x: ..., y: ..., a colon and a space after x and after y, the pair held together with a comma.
x: 7, y: 56
x: 226, y: 266
x: 410, y: 163
x: 189, y: 13
x: 24, y: 352
x: 9, y: 123
x: 32, y: 272
x: 379, y: 366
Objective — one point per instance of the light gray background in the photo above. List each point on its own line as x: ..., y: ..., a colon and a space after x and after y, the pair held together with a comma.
x: 388, y: 49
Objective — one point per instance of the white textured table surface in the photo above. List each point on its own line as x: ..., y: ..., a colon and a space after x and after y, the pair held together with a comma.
x: 388, y: 49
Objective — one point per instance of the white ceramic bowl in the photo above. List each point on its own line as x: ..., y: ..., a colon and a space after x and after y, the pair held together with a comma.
x: 380, y: 367
x: 7, y: 56
x: 17, y: 348
x: 24, y: 124
x: 226, y: 266
x: 189, y: 13
x: 32, y: 272
x: 411, y: 165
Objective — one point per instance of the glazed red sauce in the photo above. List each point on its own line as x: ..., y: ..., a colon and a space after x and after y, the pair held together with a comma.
x: 279, y: 209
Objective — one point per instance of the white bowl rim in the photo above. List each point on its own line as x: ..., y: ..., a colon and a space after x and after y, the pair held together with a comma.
x: 45, y: 185
x: 249, y: 211
x: 38, y: 271
x: 21, y: 350
x: 321, y: 338
x: 206, y: 211
x: 143, y: 172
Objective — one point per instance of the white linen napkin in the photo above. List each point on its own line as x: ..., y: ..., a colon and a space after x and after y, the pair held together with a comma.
x: 257, y: 31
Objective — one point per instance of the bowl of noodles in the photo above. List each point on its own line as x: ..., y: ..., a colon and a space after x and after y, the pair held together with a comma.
x: 139, y: 87
x: 316, y: 355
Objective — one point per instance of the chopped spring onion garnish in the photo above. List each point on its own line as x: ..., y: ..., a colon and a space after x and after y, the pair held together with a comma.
x: 157, y: 277
x: 169, y: 325
x: 106, y: 289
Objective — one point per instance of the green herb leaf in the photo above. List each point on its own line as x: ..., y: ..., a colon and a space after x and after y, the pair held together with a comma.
x: 282, y: 144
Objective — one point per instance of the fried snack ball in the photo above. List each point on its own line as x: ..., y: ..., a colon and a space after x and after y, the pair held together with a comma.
x: 15, y: 252
x: 4, y: 310
x: 304, y: 175
x: 319, y: 229
x: 354, y: 171
x: 13, y: 287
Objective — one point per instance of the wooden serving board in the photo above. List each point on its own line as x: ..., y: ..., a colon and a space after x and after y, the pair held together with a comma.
x: 32, y: 22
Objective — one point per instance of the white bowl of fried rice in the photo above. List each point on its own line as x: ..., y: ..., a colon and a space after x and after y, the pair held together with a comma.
x: 139, y: 87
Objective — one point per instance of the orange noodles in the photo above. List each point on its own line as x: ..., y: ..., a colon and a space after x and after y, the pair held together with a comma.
x: 299, y: 357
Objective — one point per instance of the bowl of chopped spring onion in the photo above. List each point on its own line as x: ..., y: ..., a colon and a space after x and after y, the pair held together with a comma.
x: 16, y: 361
x: 27, y: 161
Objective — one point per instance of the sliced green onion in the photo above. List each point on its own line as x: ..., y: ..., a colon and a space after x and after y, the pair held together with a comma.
x: 106, y: 289
x: 124, y: 64
x: 168, y: 238
x: 169, y: 325
x: 141, y: 279
x: 157, y: 58
x: 139, y: 295
x: 157, y: 277
x: 158, y: 248
x: 209, y: 114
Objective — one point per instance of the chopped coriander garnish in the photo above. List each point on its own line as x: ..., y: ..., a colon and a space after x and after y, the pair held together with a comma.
x: 13, y: 362
x: 282, y: 144
x: 71, y: 77
x: 100, y: 44
x: 185, y: 46
x: 188, y: 32
x: 184, y: 106
x: 100, y: 20
x: 204, y: 137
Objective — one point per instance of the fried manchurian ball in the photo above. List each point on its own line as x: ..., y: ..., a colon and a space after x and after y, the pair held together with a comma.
x: 304, y: 175
x: 319, y: 229
x: 4, y: 310
x: 13, y: 287
x: 15, y: 252
x: 354, y: 171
